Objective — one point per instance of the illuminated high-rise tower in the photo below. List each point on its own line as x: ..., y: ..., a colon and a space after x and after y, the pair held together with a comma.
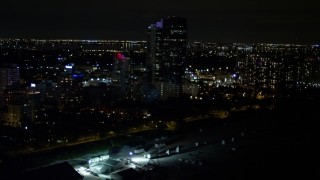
x: 154, y: 54
x: 167, y: 49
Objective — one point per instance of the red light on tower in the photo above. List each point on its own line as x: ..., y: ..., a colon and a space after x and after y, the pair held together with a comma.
x: 120, y: 56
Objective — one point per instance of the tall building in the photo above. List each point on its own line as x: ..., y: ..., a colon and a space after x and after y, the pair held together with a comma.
x: 260, y: 71
x: 277, y: 71
x: 166, y: 53
x: 9, y: 75
x: 69, y: 88
x: 122, y: 75
x: 154, y: 55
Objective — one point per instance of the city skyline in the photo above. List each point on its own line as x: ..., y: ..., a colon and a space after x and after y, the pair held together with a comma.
x: 144, y: 105
x: 227, y: 21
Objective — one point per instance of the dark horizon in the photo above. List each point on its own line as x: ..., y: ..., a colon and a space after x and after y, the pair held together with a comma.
x: 225, y: 21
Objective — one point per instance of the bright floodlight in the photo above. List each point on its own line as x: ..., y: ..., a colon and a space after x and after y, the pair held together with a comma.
x: 130, y: 153
x: 83, y: 171
x: 68, y: 67
x: 149, y: 156
x: 139, y: 160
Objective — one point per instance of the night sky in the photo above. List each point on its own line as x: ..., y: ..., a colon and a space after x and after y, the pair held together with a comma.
x: 273, y: 21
